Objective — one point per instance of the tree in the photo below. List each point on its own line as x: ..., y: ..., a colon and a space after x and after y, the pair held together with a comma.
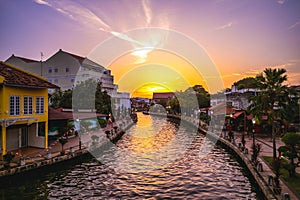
x: 203, y: 100
x: 56, y: 98
x: 248, y: 82
x: 87, y: 94
x: 84, y: 94
x: 291, y: 150
x: 63, y: 141
x: 272, y: 99
x: 174, y: 105
x: 62, y: 99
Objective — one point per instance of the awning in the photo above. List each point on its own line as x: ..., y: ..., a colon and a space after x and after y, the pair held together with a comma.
x: 237, y: 114
x: 11, y: 121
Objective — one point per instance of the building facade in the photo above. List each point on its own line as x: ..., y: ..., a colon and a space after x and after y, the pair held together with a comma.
x: 23, y: 109
x: 66, y: 69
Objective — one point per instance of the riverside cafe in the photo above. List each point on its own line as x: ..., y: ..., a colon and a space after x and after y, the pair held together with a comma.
x: 234, y: 119
x: 62, y: 120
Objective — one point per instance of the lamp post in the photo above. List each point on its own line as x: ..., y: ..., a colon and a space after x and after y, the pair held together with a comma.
x: 77, y: 127
x: 299, y: 112
x: 253, y: 131
x: 243, y: 135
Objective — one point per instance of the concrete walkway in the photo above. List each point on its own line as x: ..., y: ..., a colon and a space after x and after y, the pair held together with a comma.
x: 31, y: 154
x: 266, y: 150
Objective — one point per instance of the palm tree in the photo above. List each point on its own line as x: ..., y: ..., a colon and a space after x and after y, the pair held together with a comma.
x: 271, y: 100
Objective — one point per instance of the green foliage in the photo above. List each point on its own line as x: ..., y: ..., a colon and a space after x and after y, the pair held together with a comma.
x: 256, y: 150
x: 95, y: 138
x: 66, y: 99
x: 8, y: 157
x: 86, y: 123
x: 84, y: 94
x: 291, y: 139
x: 103, y: 102
x: 102, y: 123
x: 293, y: 182
x: 191, y: 99
x: 198, y: 89
x: 62, y: 99
x: 248, y: 82
x: 62, y: 141
x: 88, y: 94
x: 273, y: 95
x: 203, y: 100
x: 272, y: 99
x: 70, y: 125
x: 291, y: 150
x: 174, y: 104
x: 56, y: 98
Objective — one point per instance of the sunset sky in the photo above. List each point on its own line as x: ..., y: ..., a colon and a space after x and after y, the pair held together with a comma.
x: 241, y: 37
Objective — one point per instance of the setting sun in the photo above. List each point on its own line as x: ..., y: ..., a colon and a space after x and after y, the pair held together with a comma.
x: 146, y: 91
x: 159, y: 71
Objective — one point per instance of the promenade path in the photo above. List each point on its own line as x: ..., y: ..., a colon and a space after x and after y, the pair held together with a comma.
x: 267, y: 150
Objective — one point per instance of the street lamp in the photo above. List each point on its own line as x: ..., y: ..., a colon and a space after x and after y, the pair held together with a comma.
x: 243, y: 136
x: 77, y: 127
x: 299, y: 112
x: 253, y: 131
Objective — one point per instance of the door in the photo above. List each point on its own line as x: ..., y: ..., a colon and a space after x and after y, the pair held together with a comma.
x: 24, y: 136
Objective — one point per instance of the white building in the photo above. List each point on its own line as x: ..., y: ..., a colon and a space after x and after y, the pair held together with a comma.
x: 64, y: 68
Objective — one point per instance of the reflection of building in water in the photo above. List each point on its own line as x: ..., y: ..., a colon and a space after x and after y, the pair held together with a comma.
x: 64, y: 68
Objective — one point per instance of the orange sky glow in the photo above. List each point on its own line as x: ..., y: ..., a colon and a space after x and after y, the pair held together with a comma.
x: 161, y: 71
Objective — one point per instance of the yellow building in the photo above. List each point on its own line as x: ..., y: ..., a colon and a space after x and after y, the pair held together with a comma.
x: 23, y: 109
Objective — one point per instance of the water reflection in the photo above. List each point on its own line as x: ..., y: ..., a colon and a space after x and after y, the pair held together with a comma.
x: 187, y: 176
x: 147, y: 137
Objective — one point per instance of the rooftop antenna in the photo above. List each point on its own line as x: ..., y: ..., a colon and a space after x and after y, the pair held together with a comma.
x: 42, y: 63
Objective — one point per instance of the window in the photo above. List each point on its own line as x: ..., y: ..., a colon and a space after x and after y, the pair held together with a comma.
x: 72, y: 80
x: 50, y: 80
x: 67, y: 69
x: 56, y: 70
x: 55, y: 80
x: 39, y: 105
x: 14, y: 105
x: 27, y: 105
x: 49, y: 70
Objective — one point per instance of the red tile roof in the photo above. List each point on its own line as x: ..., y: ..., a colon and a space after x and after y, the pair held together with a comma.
x: 59, y: 114
x: 163, y: 95
x: 17, y: 77
x: 54, y: 114
x: 222, y: 109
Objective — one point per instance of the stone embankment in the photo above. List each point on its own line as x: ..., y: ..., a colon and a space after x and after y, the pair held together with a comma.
x: 49, y: 158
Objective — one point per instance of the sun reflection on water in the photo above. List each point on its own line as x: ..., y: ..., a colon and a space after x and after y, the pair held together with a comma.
x: 146, y: 138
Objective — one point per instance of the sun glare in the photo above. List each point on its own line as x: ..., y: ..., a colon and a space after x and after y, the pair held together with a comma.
x: 146, y: 91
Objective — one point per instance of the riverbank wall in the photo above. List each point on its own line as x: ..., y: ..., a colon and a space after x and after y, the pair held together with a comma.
x: 21, y: 167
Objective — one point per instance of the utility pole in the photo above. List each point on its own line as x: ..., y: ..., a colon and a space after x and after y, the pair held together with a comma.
x: 42, y: 63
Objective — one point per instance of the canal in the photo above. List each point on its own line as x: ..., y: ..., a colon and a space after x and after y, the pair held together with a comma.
x: 155, y: 159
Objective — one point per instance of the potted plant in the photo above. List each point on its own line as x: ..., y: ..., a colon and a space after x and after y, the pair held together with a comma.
x: 8, y: 158
x: 63, y: 141
x: 256, y: 150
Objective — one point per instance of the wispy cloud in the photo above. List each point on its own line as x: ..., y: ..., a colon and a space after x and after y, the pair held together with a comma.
x: 294, y: 25
x: 225, y: 26
x: 147, y: 10
x: 77, y: 12
x: 281, y: 1
x: 42, y: 2
x: 84, y: 15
